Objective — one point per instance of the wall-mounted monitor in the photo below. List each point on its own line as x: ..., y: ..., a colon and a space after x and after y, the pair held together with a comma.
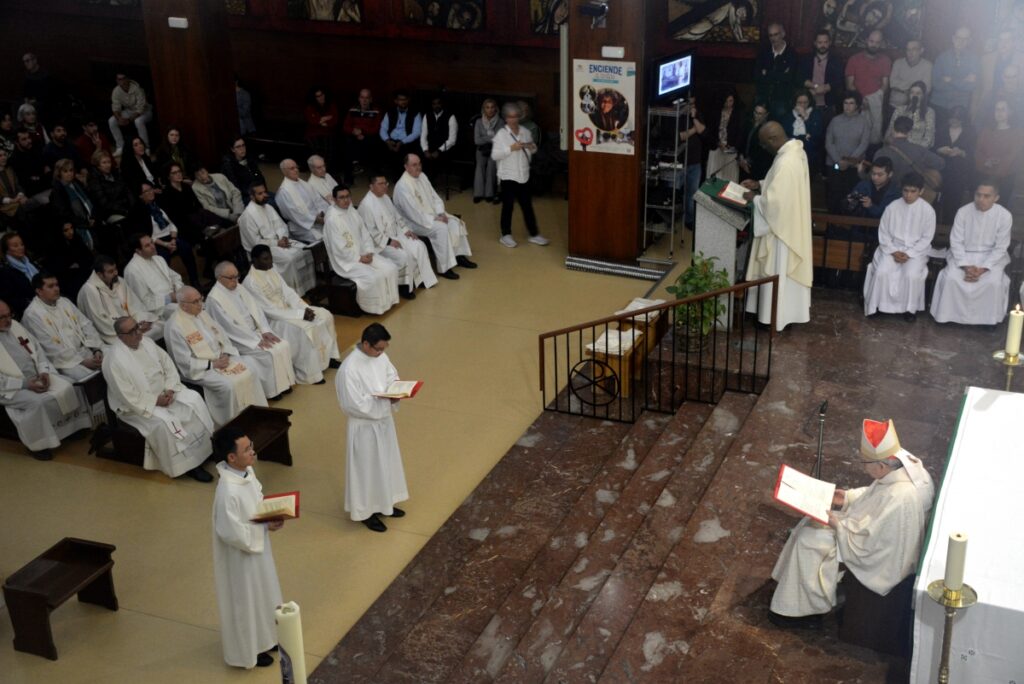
x: 672, y: 76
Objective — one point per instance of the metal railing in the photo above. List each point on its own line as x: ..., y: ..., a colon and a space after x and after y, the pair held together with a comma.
x: 654, y: 359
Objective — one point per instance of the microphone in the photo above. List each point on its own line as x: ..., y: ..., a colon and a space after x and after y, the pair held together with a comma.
x: 823, y: 408
x: 821, y: 438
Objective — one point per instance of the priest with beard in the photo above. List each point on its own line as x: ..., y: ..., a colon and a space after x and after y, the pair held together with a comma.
x: 105, y: 297
x: 66, y: 335
x: 260, y: 224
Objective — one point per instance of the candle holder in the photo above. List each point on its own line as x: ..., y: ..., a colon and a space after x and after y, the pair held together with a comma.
x: 1010, y: 362
x: 952, y: 601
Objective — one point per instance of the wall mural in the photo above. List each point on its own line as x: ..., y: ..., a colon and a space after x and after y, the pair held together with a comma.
x: 345, y: 11
x: 850, y: 21
x: 236, y: 8
x: 720, y: 21
x: 461, y: 15
x: 547, y: 15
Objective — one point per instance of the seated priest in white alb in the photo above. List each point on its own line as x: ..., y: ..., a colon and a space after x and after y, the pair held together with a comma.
x: 320, y: 181
x: 973, y: 288
x: 42, y: 405
x: 66, y: 335
x: 204, y: 355
x: 351, y: 253
x: 259, y: 224
x: 105, y: 297
x: 876, y: 533
x: 151, y: 279
x: 300, y: 205
x: 246, y: 326
x: 394, y: 239
x: 309, y: 328
x: 145, y: 391
x: 423, y: 208
x: 895, y: 278
x: 217, y: 194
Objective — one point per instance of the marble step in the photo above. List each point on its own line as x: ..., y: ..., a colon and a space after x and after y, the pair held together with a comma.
x: 369, y: 643
x: 584, y: 653
x: 511, y: 536
x: 589, y: 538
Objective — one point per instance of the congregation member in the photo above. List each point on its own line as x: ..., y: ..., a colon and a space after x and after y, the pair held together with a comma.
x: 846, y: 142
x: 725, y: 133
x: 151, y: 279
x: 238, y: 315
x: 92, y: 140
x: 320, y: 181
x: 70, y: 202
x: 362, y: 135
x: 260, y: 224
x: 873, y: 195
x: 149, y: 217
x: 512, y: 150
x: 137, y: 167
x: 955, y: 75
x: 218, y: 195
x: 16, y: 272
x: 955, y: 142
x: 920, y: 113
x: 400, y: 129
x: 242, y: 170
x: 42, y: 89
x: 394, y: 240
x: 527, y: 122
x: 14, y: 203
x: 205, y: 356
x: 60, y: 147
x: 867, y: 72
x: 998, y: 150
x: 43, y: 406
x: 111, y: 196
x: 485, y: 178
x: 300, y: 205
x: 130, y: 107
x: 694, y: 155
x: 8, y: 134
x: 322, y: 121
x: 973, y: 288
x: 895, y: 278
x: 351, y: 253
x: 248, y: 591
x: 823, y: 75
x: 28, y: 120
x: 243, y: 103
x: 754, y: 161
x: 423, y: 209
x: 782, y: 231
x: 182, y: 205
x: 438, y: 134
x: 310, y: 329
x: 69, y: 259
x: 876, y: 533
x: 805, y: 123
x: 993, y: 67
x: 105, y: 297
x: 374, y: 476
x: 776, y: 72
x: 66, y: 335
x: 33, y: 172
x: 145, y: 391
x: 906, y: 156
x: 172, y: 150
x: 906, y: 71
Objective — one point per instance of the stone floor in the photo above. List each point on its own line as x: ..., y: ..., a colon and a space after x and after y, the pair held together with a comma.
x: 597, y: 551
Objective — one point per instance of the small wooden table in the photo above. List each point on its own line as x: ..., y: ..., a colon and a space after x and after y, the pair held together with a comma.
x: 621, y: 363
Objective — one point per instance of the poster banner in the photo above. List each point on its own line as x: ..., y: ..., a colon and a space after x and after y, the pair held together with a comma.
x: 604, y: 111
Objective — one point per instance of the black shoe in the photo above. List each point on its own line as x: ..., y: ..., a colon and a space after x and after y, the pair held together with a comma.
x: 477, y: 200
x: 910, y: 316
x: 321, y: 381
x: 787, y: 622
x: 264, y: 660
x: 200, y: 475
x: 42, y: 455
x: 396, y: 512
x: 374, y: 523
x: 495, y: 200
x: 334, y: 363
x: 450, y: 275
x: 464, y: 262
x: 406, y: 292
x: 276, y: 398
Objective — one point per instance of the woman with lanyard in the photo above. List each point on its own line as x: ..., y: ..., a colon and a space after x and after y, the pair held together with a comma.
x: 512, y: 149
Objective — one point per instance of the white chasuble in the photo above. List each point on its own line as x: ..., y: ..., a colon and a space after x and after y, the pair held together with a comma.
x: 104, y: 305
x: 66, y: 335
x: 383, y: 224
x: 260, y: 225
x: 299, y: 205
x: 346, y: 241
x: 420, y: 205
x: 153, y: 282
x: 890, y: 286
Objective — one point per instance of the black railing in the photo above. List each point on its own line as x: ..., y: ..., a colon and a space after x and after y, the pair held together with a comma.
x: 654, y: 359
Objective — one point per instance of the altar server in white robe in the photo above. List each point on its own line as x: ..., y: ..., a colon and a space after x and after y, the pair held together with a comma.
x: 287, y: 311
x: 877, y: 533
x: 145, y: 391
x: 42, y: 405
x: 374, y: 477
x: 423, y: 208
x: 394, y: 239
x: 204, y: 355
x: 895, y: 279
x: 320, y: 181
x: 782, y: 231
x: 259, y: 224
x: 105, y: 297
x: 151, y: 279
x: 248, y: 329
x: 351, y: 253
x: 66, y: 335
x: 300, y: 205
x: 248, y: 590
x: 973, y: 288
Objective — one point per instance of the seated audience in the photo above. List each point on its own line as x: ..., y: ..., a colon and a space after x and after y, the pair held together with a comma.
x: 846, y: 142
x: 218, y: 195
x: 105, y: 297
x: 70, y: 202
x: 151, y: 279
x: 322, y: 121
x: 321, y: 182
x: 92, y: 140
x: 241, y: 169
x: 66, y: 334
x: 111, y: 196
x: 42, y: 89
x: 896, y: 276
x: 16, y: 272
x: 68, y: 259
x: 60, y: 147
x: 34, y: 174
x: 148, y: 217
x: 725, y: 137
x: 300, y: 205
x: 260, y: 224
x: 15, y: 205
x: 870, y: 197
x: 439, y: 133
x: 997, y: 154
x: 973, y: 288
x: 8, y: 134
x: 362, y: 135
x: 906, y: 156
x: 28, y: 121
x: 954, y: 142
x: 129, y: 106
x: 485, y: 178
x: 806, y: 124
x: 138, y: 168
x: 400, y: 130
x: 180, y: 202
x: 173, y: 151
x: 922, y: 132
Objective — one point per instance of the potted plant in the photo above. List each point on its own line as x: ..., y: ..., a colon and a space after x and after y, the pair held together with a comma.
x: 694, y: 321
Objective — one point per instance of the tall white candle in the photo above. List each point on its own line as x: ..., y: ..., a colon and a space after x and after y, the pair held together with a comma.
x: 289, y: 641
x: 1013, y: 331
x: 956, y: 555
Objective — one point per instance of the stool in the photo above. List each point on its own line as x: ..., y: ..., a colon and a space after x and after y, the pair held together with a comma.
x: 881, y: 623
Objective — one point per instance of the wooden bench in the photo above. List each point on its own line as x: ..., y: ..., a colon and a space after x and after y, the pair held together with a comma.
x: 624, y: 365
x: 881, y: 623
x: 72, y: 566
x: 95, y: 389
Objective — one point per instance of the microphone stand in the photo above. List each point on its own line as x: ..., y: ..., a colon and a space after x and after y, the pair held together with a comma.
x: 821, y: 436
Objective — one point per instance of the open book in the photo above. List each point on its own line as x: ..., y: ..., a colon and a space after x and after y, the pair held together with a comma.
x: 801, y: 492
x: 277, y: 507
x: 401, y: 389
x: 733, y: 192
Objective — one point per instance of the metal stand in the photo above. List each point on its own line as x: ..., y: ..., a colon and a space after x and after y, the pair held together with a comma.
x: 1010, y: 362
x: 658, y: 171
x: 821, y: 437
x: 952, y: 601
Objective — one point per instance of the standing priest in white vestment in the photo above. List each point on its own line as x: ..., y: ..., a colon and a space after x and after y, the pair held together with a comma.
x: 145, y: 391
x: 322, y: 182
x: 259, y: 224
x: 151, y: 279
x: 247, y: 587
x: 286, y: 311
x: 300, y: 205
x: 374, y: 477
x: 876, y: 533
x: 423, y: 208
x: 394, y: 239
x: 42, y: 405
x: 973, y: 288
x: 66, y: 335
x: 105, y: 297
x: 351, y: 253
x: 782, y: 231
x: 248, y: 329
x: 894, y: 282
x: 204, y: 355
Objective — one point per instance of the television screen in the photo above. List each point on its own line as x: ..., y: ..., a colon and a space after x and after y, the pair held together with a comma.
x: 674, y: 75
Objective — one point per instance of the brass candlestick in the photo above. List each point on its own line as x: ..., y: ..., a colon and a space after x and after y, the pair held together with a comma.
x: 1010, y: 362
x: 952, y: 601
